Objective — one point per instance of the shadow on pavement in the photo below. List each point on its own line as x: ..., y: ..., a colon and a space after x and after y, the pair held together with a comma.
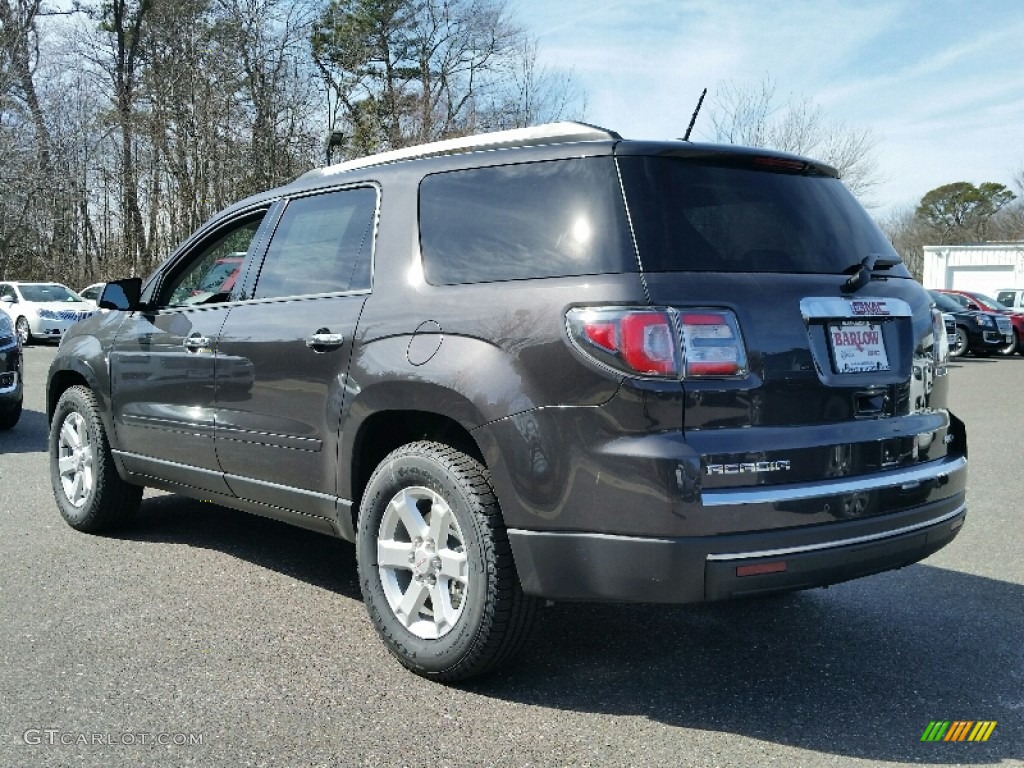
x: 856, y: 670
x: 311, y: 557
x: 29, y: 435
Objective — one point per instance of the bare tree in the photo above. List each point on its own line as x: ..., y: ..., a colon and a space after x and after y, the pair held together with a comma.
x: 754, y: 116
x: 126, y: 123
x: 532, y: 94
x: 908, y: 234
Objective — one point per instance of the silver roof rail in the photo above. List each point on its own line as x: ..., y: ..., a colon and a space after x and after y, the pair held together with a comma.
x: 550, y: 133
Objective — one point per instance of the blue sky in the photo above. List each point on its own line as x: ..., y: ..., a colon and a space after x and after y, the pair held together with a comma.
x: 940, y: 84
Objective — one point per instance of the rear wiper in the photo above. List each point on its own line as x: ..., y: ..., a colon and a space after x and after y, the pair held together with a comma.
x: 860, y: 273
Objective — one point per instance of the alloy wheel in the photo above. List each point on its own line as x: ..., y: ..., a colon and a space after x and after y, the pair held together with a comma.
x: 75, y: 459
x: 422, y: 561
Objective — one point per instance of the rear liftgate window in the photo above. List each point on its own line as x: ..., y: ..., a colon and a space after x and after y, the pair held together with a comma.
x: 698, y: 216
x: 546, y: 219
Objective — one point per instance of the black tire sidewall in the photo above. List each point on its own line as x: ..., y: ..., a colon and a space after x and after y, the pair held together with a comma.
x: 87, y: 517
x: 9, y: 417
x: 424, y: 656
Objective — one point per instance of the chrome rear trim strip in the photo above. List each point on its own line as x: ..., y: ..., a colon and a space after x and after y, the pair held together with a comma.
x: 773, y: 494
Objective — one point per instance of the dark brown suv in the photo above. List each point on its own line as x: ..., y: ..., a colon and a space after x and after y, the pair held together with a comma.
x: 544, y: 363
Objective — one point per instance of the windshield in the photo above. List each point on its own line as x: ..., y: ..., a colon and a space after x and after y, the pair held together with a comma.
x: 987, y: 302
x: 945, y: 303
x: 690, y: 215
x: 48, y: 292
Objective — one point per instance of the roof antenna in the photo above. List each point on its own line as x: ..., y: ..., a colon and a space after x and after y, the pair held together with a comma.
x: 686, y: 136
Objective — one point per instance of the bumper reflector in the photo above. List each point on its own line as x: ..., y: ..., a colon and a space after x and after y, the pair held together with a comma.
x: 761, y: 568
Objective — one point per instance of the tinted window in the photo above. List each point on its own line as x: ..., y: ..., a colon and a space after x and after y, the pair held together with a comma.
x: 188, y: 283
x: 1005, y: 298
x: 546, y: 219
x: 323, y: 244
x: 695, y: 216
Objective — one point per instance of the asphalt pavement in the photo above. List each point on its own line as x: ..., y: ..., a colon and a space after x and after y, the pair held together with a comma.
x: 201, y: 636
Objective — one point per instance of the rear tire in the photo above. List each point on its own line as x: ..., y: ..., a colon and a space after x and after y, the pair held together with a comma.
x: 435, y: 565
x: 90, y: 495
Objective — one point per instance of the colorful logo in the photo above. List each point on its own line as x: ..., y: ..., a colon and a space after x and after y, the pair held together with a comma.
x: 958, y: 730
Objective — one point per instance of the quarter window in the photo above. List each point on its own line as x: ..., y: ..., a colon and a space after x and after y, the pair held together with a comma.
x: 323, y: 244
x: 545, y: 219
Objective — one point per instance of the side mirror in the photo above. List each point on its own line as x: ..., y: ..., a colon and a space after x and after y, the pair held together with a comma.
x: 122, y: 295
x: 8, y: 299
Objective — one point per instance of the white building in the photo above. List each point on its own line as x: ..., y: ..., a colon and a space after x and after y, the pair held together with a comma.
x: 983, y: 268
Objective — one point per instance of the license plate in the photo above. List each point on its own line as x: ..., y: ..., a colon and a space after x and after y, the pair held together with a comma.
x: 858, y: 347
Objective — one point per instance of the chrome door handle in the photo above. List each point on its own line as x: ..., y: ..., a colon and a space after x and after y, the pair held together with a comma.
x: 325, y: 339
x: 196, y: 343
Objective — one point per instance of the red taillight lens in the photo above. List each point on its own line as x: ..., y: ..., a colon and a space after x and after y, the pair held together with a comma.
x: 649, y: 343
x: 637, y: 341
x: 660, y: 341
x: 602, y: 334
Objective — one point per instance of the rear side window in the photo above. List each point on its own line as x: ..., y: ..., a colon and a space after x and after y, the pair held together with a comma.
x: 699, y: 217
x: 546, y: 219
x: 323, y: 244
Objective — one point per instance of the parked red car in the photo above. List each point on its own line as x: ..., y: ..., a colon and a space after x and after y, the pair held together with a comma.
x: 979, y: 301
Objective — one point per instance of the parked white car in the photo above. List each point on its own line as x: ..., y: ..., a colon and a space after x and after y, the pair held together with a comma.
x: 42, y: 310
x: 1011, y: 298
x: 91, y: 293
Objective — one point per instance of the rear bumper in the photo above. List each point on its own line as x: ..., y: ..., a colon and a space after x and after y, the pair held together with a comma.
x: 581, y: 566
x: 10, y: 374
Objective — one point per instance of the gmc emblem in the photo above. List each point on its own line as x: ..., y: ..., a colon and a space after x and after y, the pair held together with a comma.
x: 868, y: 308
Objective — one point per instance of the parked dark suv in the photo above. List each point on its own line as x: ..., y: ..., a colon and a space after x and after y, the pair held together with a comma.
x: 545, y: 363
x: 1010, y: 322
x: 978, y: 331
x: 11, y: 387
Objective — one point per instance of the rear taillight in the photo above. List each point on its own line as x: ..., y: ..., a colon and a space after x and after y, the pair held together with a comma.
x: 660, y: 341
x: 712, y: 345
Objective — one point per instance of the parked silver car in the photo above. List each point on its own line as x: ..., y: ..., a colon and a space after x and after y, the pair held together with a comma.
x: 42, y: 310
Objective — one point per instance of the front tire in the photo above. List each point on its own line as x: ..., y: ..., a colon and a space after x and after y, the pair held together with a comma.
x: 24, y: 331
x: 435, y: 565
x: 1010, y: 348
x: 90, y: 495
